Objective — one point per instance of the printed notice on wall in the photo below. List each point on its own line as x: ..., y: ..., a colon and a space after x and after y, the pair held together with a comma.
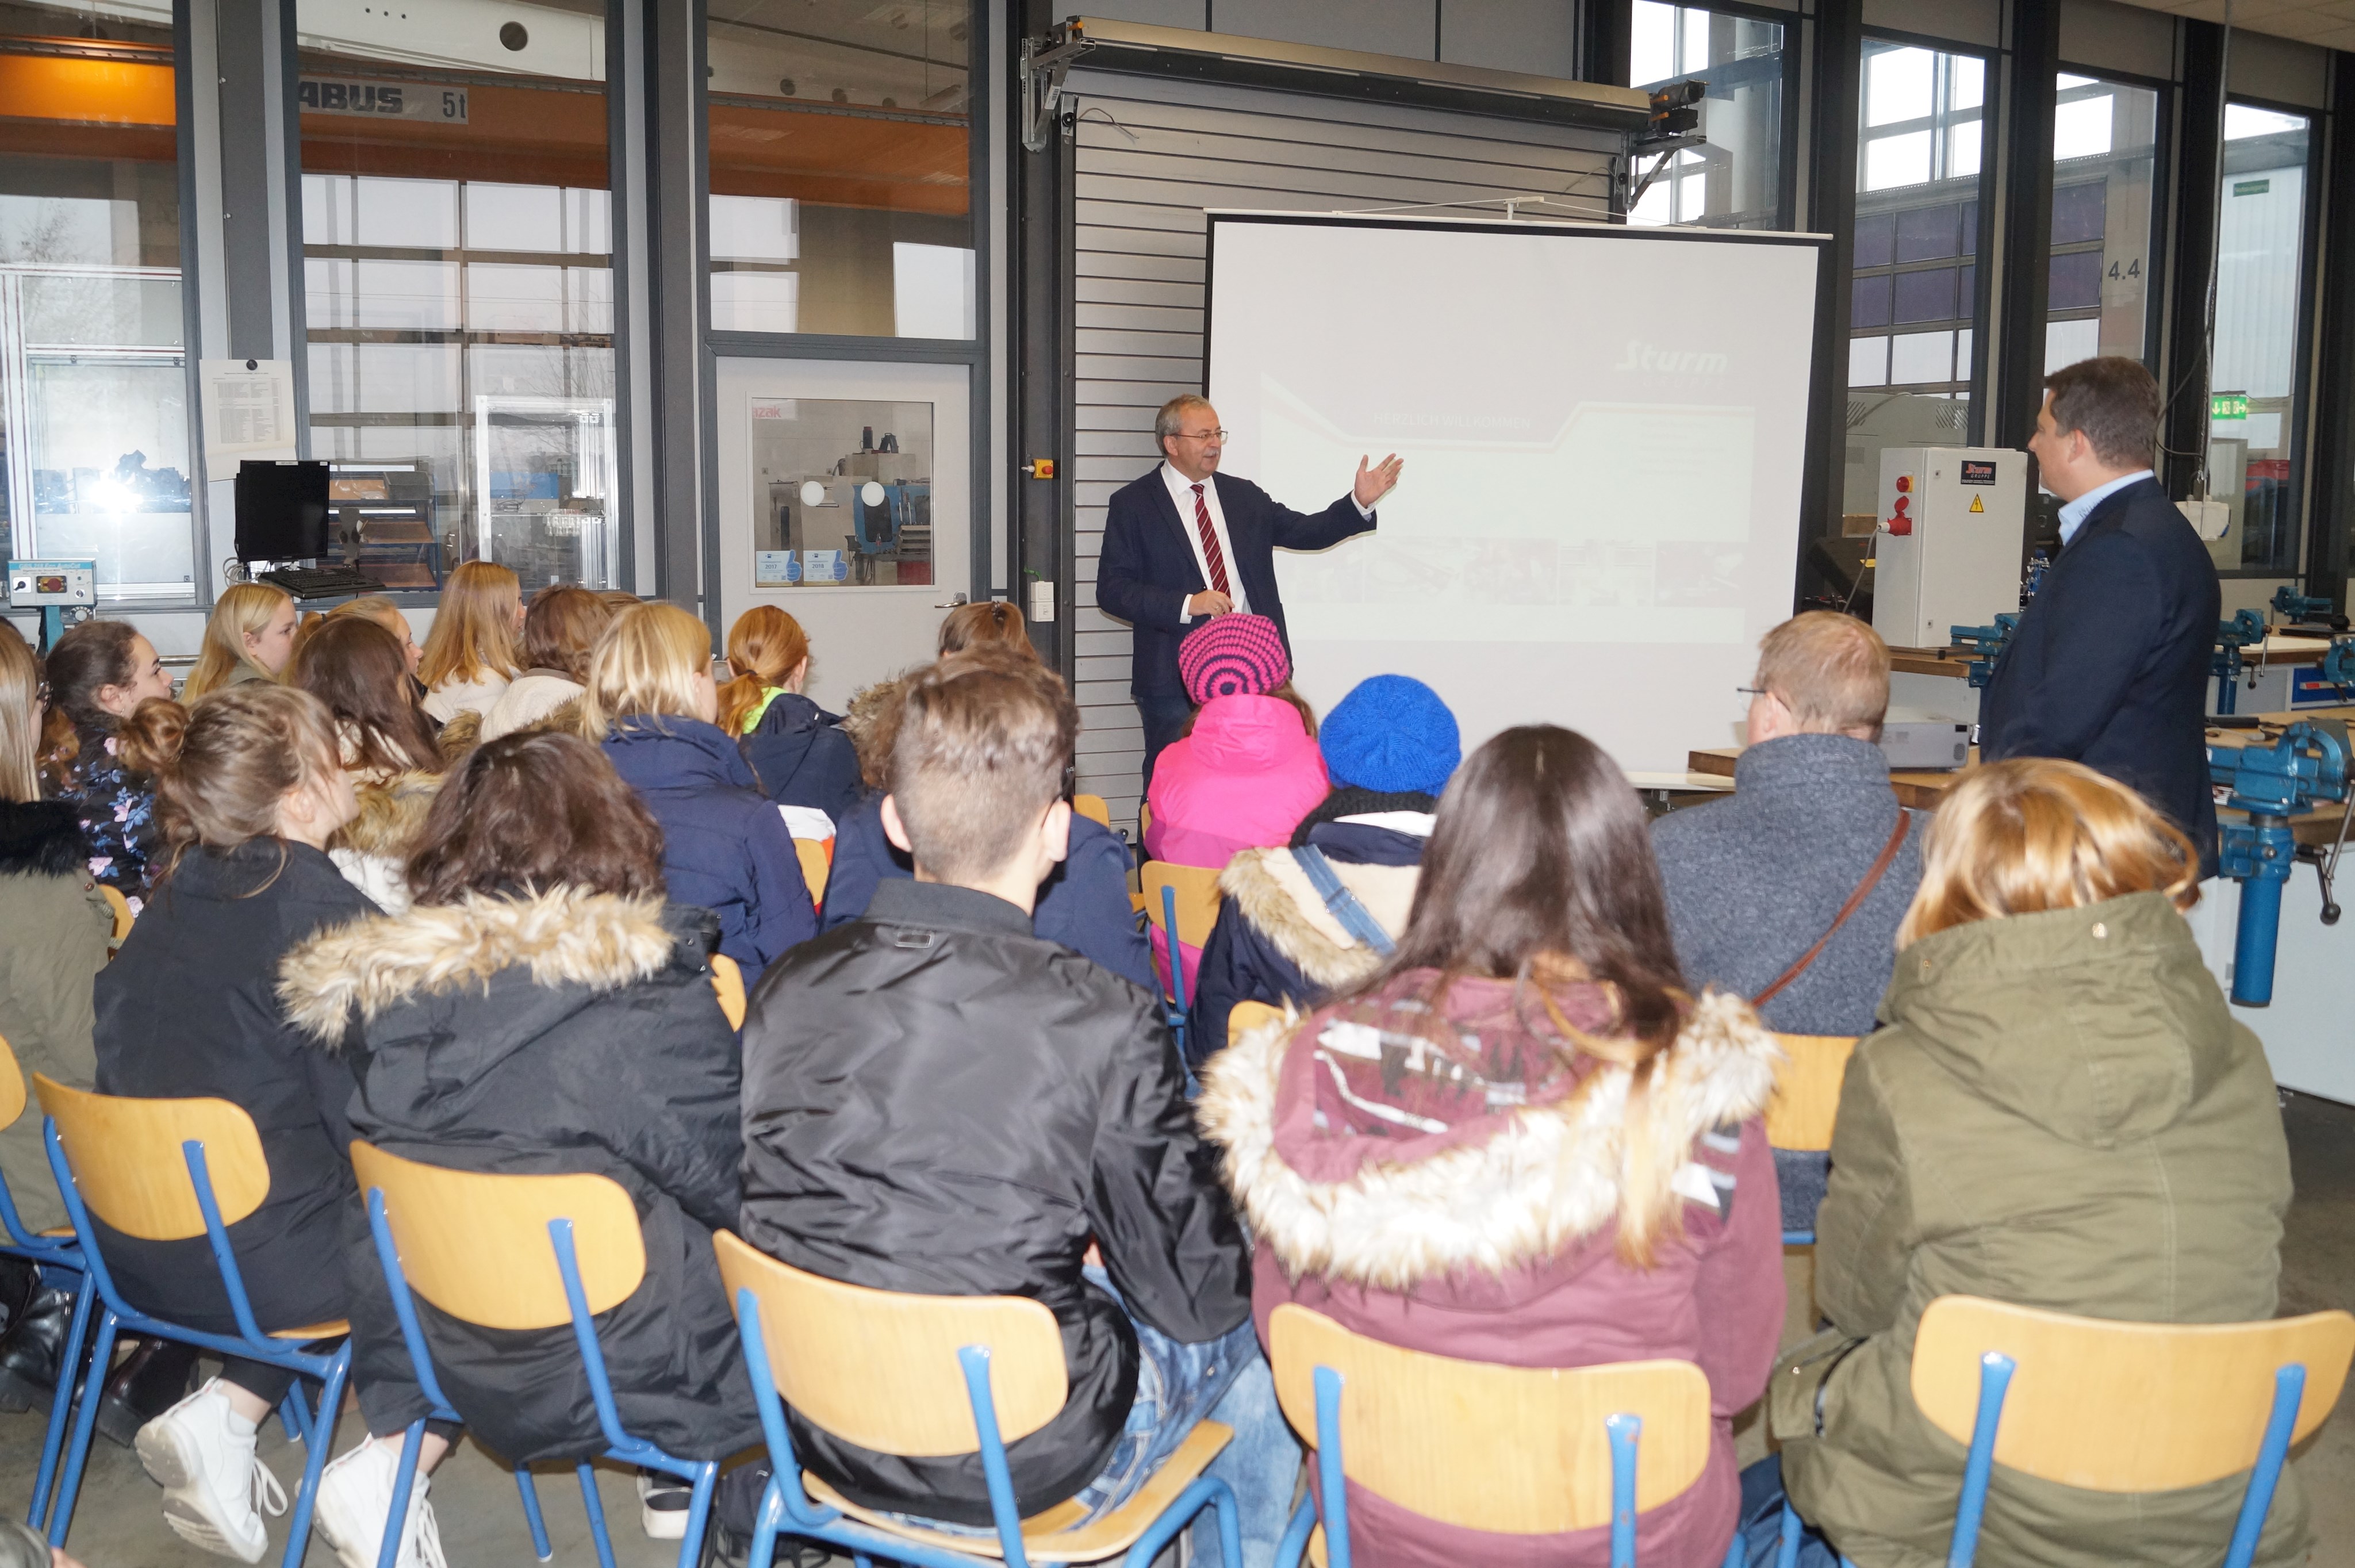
x: 249, y: 411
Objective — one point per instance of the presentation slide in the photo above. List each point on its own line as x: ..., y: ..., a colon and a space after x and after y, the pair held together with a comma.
x: 1603, y: 431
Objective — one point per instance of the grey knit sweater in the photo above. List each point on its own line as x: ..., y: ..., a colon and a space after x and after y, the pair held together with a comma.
x: 1753, y: 880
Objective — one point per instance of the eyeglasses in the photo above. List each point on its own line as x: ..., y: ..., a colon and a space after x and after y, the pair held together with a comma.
x: 1201, y: 435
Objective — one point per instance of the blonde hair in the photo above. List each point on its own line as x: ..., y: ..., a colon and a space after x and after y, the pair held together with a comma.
x: 2036, y: 833
x: 377, y: 608
x: 646, y: 664
x: 473, y: 629
x: 764, y: 646
x: 1830, y: 670
x: 243, y: 611
x: 20, y: 720
x: 222, y: 765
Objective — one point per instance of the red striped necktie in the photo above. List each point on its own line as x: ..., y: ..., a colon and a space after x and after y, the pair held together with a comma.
x: 1211, y: 550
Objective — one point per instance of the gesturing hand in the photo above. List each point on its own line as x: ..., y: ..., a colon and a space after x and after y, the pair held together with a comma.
x: 1376, y: 482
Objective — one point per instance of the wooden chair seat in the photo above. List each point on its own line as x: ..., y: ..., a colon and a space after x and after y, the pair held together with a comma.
x: 1048, y: 1536
x: 817, y: 866
x: 727, y: 980
x: 335, y: 1328
x: 1807, y: 1090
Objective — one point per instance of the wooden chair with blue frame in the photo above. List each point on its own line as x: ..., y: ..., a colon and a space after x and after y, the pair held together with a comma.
x: 2118, y: 1407
x: 57, y: 1253
x: 170, y: 1170
x: 1511, y: 1450
x: 1182, y: 903
x: 518, y: 1252
x: 934, y: 1377
x: 1807, y: 1100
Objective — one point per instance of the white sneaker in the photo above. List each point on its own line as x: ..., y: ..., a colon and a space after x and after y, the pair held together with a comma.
x: 663, y: 1503
x: 355, y: 1499
x: 213, y: 1485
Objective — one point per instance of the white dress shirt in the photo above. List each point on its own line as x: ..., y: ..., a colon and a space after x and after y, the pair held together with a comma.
x: 2074, y: 514
x: 1181, y: 490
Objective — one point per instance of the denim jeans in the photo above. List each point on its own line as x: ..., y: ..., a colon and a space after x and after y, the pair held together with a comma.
x: 1762, y: 1521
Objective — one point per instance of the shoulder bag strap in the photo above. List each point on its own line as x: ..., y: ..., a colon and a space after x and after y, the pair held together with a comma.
x: 1341, y: 904
x: 1863, y: 888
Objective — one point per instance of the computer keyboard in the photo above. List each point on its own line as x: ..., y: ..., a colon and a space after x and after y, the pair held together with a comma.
x: 322, y: 581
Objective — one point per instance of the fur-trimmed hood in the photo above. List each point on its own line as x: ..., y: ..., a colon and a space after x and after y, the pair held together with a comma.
x: 1549, y: 1179
x: 392, y: 815
x: 569, y: 937
x: 42, y: 838
x: 1268, y: 889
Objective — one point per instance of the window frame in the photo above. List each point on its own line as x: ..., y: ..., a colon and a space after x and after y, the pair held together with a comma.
x: 2160, y: 250
x: 1786, y: 173
x: 1990, y: 109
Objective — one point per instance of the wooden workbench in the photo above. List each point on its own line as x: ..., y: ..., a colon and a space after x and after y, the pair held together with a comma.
x: 1923, y: 790
x: 1955, y: 664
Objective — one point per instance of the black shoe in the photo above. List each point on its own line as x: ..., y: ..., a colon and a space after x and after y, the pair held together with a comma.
x: 151, y: 1382
x: 28, y: 1356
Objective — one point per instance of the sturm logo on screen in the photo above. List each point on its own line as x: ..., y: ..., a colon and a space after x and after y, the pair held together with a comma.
x: 1659, y: 361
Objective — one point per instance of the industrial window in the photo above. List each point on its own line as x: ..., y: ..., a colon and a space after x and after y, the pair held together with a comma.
x: 458, y: 289
x: 2256, y: 406
x: 2105, y: 237
x: 95, y: 426
x: 841, y: 159
x: 1736, y: 180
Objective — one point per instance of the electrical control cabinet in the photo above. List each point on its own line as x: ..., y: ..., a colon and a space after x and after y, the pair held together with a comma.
x: 1949, y: 536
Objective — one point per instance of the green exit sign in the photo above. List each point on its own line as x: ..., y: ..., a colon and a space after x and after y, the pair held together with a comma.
x: 2228, y: 406
x: 2252, y: 187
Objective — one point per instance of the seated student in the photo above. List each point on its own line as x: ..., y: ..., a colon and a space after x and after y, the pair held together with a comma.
x: 54, y: 932
x: 390, y: 616
x: 99, y: 674
x: 541, y: 1008
x: 1084, y: 903
x: 470, y: 648
x: 357, y: 668
x: 248, y: 791
x: 249, y: 636
x: 2060, y: 1112
x: 901, y: 1137
x: 792, y: 743
x: 1390, y: 746
x: 725, y: 849
x: 1755, y: 880
x: 559, y: 632
x: 1519, y: 1141
x: 1249, y: 770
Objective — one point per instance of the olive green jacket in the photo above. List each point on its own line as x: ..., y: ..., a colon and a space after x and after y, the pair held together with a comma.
x: 54, y: 930
x: 2059, y: 1112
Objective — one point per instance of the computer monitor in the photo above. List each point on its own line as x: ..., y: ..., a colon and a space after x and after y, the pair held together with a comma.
x: 282, y: 511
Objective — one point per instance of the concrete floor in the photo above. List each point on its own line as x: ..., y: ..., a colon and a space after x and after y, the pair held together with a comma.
x: 118, y: 1524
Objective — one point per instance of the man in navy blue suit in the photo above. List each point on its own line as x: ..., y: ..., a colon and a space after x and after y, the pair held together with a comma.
x: 1187, y: 542
x: 2110, y: 666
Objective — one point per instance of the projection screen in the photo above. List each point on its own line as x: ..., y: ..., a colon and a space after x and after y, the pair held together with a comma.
x: 1603, y: 431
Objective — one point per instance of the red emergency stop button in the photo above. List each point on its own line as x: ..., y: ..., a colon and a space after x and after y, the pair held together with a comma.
x: 1904, y: 483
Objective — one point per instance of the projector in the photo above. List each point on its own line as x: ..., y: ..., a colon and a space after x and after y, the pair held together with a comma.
x: 1922, y: 745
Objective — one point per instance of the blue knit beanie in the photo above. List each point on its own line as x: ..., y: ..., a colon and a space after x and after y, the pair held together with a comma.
x: 1392, y: 735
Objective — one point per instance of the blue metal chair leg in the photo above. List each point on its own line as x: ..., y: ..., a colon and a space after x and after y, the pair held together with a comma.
x: 539, y: 1546
x: 596, y: 1508
x: 764, y: 1523
x: 1995, y: 1381
x: 1624, y: 1430
x: 2289, y: 1393
x: 60, y: 1407
x: 698, y: 1513
x: 404, y: 1477
x: 93, y: 1391
x: 292, y: 1415
x: 1293, y: 1550
x: 321, y: 1439
x: 1788, y: 1553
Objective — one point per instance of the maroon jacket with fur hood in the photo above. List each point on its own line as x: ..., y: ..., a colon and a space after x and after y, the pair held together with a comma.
x: 1464, y: 1203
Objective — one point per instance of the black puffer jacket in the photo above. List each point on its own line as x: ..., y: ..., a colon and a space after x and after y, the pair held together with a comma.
x: 937, y: 1101
x: 568, y: 1031
x: 802, y: 758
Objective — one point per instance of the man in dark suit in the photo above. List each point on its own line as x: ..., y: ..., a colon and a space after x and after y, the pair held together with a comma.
x: 1187, y: 542
x: 2109, y: 666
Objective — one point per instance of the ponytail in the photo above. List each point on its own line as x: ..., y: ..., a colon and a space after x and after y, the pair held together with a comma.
x: 765, y: 647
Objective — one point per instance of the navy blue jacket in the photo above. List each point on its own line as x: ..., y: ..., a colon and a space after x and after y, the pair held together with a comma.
x: 802, y: 758
x: 725, y: 849
x: 1146, y: 572
x: 2110, y: 665
x: 1082, y: 905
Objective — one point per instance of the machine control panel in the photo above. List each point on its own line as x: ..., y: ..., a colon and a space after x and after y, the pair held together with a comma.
x: 35, y: 583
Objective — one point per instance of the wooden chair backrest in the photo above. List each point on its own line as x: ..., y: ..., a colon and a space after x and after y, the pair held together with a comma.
x: 879, y: 1369
x: 1144, y: 819
x: 1093, y: 807
x: 129, y: 1166
x: 816, y: 866
x: 1198, y: 898
x: 12, y: 1085
x: 1514, y: 1450
x: 2124, y: 1407
x: 121, y: 908
x: 728, y: 981
x: 1807, y: 1090
x: 475, y: 1243
x: 1246, y: 1017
